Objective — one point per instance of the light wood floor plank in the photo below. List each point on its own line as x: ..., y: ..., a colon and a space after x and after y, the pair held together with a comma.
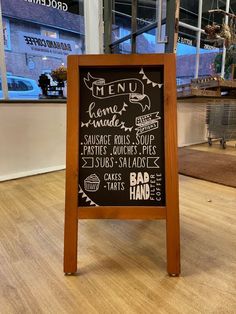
x: 122, y: 264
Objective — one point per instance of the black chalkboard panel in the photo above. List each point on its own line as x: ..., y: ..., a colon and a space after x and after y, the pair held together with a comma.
x: 121, y: 137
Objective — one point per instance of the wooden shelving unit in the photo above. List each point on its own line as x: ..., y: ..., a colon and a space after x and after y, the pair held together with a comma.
x: 207, y: 87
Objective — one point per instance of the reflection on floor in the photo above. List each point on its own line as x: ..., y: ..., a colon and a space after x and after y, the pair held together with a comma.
x: 216, y: 148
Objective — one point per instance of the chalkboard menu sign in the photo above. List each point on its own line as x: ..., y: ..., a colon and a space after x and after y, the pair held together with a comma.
x: 121, y: 141
x: 121, y: 145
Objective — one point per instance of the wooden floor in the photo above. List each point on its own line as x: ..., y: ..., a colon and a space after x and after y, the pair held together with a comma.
x: 122, y: 264
x: 216, y: 148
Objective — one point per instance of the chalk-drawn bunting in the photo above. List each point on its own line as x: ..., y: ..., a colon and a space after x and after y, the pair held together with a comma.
x: 121, y: 137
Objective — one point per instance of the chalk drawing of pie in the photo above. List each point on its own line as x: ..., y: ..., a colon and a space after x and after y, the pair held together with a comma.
x: 91, y: 183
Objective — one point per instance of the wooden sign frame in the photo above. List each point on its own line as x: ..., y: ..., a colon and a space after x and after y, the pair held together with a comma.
x: 170, y: 212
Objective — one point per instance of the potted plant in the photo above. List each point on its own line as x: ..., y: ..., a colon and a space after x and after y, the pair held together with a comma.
x: 59, y: 75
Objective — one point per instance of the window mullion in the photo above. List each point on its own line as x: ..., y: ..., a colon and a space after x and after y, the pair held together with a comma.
x: 198, y: 38
x: 134, y: 24
x: 2, y: 59
x: 224, y: 48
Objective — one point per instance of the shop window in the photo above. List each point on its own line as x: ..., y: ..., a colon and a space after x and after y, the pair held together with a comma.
x: 147, y: 42
x: 122, y: 48
x: 210, y: 60
x: 146, y: 13
x: 41, y: 38
x: 144, y: 22
x: 122, y: 17
x: 189, y: 12
x: 6, y: 34
x: 186, y: 55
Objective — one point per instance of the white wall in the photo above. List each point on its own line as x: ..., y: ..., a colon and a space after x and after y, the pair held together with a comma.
x: 191, y: 123
x: 32, y: 138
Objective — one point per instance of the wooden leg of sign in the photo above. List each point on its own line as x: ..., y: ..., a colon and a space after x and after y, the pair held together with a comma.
x: 172, y: 184
x: 72, y: 157
x: 173, y: 242
x: 70, y: 241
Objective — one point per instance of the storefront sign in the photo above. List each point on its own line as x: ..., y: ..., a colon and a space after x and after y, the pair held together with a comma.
x: 121, y: 145
x: 63, y: 5
x: 45, y: 46
x: 193, y: 42
x: 185, y: 41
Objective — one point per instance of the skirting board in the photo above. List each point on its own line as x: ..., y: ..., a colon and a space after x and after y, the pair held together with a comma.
x: 30, y: 173
x: 190, y: 144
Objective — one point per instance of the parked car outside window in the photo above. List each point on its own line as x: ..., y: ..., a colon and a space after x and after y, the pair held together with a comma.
x: 21, y: 88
